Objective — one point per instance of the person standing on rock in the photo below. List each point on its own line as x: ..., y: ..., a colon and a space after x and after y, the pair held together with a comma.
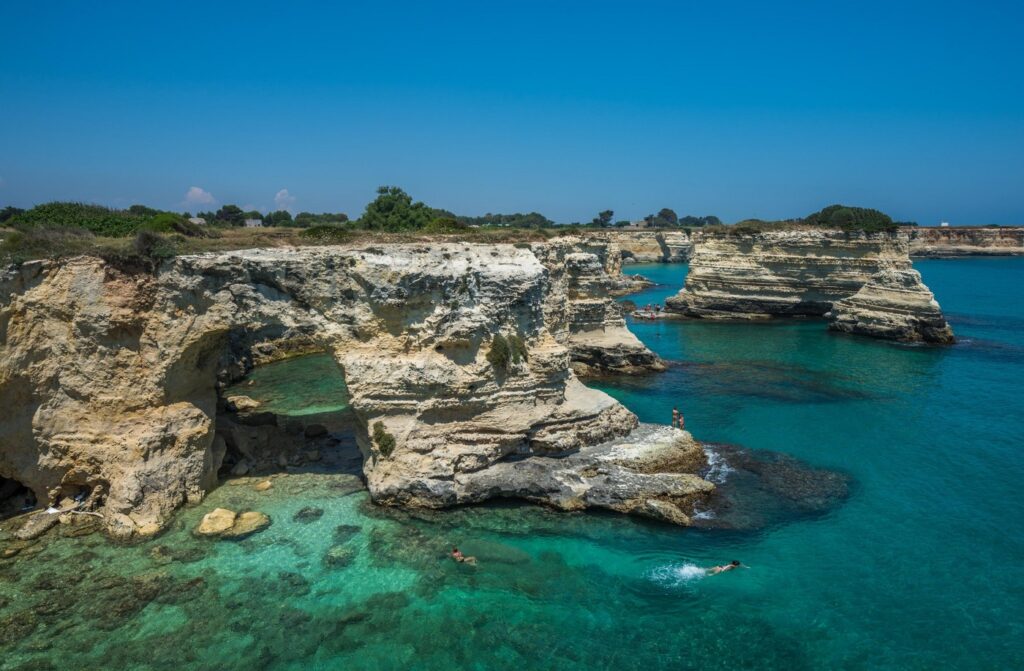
x: 681, y: 422
x: 675, y: 417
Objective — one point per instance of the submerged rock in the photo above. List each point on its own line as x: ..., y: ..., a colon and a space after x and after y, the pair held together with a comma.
x: 339, y: 556
x: 247, y: 524
x: 308, y: 514
x: 36, y: 525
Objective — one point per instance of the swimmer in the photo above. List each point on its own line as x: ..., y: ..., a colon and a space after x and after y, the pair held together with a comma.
x: 715, y: 570
x: 461, y: 558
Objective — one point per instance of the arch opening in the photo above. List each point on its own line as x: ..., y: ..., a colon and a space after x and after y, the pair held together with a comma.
x: 289, y: 414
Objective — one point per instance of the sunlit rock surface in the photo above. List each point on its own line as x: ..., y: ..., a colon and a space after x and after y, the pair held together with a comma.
x: 108, y: 377
x: 893, y: 304
x: 952, y: 241
x: 805, y: 273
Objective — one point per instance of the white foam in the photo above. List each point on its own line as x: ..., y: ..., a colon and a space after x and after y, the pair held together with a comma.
x: 718, y: 469
x: 677, y: 575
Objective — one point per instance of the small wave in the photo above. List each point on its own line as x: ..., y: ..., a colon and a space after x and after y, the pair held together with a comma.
x: 704, y: 515
x: 718, y: 468
x: 677, y: 575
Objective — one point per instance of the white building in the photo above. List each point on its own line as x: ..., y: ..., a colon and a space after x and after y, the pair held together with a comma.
x: 253, y: 223
x: 944, y: 224
x: 199, y: 221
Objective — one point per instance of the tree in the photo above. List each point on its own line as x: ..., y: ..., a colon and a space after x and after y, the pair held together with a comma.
x: 394, y: 210
x: 10, y: 212
x: 278, y: 218
x: 231, y: 215
x: 603, y: 218
x: 850, y: 218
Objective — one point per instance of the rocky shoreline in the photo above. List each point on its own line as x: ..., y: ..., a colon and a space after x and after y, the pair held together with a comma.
x: 456, y: 356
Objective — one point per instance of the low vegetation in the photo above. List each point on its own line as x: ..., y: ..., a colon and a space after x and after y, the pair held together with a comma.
x: 384, y: 441
x: 148, y: 235
x: 506, y: 352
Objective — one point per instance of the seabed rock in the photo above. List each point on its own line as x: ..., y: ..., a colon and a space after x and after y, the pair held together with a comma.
x: 224, y: 523
x: 308, y: 514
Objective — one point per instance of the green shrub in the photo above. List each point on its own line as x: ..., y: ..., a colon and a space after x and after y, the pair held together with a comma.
x: 384, y: 440
x: 327, y: 233
x: 507, y: 351
x: 40, y: 242
x: 444, y: 225
x: 850, y: 218
x: 93, y: 218
x: 500, y: 354
x: 518, y: 348
x: 153, y: 246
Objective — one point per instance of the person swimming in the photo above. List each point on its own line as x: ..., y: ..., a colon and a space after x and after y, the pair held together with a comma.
x: 715, y: 570
x: 461, y: 558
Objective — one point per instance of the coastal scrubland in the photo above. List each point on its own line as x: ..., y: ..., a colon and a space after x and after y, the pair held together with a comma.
x: 141, y: 235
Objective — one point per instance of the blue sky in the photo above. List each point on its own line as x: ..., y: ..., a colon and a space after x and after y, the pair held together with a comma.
x: 739, y: 109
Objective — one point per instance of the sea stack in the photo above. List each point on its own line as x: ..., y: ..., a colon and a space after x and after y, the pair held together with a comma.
x: 806, y: 272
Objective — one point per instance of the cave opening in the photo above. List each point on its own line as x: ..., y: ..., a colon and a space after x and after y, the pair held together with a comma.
x: 15, y: 498
x: 290, y: 414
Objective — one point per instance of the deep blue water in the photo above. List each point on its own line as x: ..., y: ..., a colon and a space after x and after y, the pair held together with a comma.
x: 919, y: 568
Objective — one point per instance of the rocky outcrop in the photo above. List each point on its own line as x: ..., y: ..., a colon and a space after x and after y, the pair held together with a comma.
x: 649, y: 473
x: 652, y: 246
x: 893, y: 304
x: 108, y: 378
x: 580, y: 311
x: 804, y: 273
x: 953, y: 241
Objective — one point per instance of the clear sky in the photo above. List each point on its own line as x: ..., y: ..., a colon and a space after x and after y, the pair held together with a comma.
x: 739, y: 109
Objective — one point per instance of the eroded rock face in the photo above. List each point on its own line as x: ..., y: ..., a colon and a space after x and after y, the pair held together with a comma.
x: 806, y: 273
x: 893, y: 304
x: 108, y: 378
x: 652, y: 246
x: 580, y: 311
x: 649, y: 473
x: 949, y: 241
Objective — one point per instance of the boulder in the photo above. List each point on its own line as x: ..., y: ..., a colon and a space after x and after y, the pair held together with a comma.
x: 242, y: 403
x: 217, y: 522
x: 247, y: 524
x: 263, y: 485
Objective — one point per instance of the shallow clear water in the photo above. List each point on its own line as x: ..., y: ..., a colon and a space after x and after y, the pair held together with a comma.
x: 300, y: 386
x: 918, y: 568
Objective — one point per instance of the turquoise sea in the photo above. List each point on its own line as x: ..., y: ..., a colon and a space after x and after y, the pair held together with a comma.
x: 919, y: 567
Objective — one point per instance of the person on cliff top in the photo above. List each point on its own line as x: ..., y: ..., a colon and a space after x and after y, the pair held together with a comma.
x: 675, y: 417
x: 461, y: 558
x: 682, y: 422
x: 715, y: 570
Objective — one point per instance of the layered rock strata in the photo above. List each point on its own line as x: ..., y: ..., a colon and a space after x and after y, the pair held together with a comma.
x: 953, y: 241
x: 804, y: 273
x: 652, y: 246
x: 108, y: 377
x: 892, y: 304
x: 581, y: 313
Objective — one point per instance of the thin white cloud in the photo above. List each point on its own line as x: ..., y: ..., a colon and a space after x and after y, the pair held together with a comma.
x: 198, y: 196
x: 284, y: 200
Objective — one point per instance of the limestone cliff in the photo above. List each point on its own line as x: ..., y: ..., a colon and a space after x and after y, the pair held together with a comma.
x: 805, y: 273
x: 951, y: 241
x: 893, y: 304
x: 652, y: 246
x: 108, y: 377
x: 580, y: 312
